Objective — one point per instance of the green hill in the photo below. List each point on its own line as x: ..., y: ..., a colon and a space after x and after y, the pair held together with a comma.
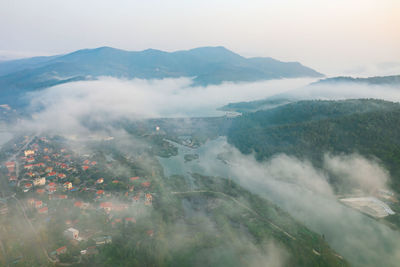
x: 308, y: 129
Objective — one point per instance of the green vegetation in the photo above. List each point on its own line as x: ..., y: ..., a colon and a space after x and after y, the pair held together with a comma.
x: 253, y: 106
x: 217, y: 224
x: 378, y: 80
x: 308, y: 129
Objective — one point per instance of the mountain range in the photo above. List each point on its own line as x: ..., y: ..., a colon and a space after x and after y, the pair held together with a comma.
x: 206, y: 65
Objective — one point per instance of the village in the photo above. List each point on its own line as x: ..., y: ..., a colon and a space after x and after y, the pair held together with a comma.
x: 72, y: 201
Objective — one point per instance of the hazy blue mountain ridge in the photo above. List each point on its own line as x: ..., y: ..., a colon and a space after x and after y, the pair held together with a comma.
x: 207, y: 65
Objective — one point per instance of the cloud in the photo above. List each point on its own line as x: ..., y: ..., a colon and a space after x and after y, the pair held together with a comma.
x: 305, y: 193
x: 380, y: 69
x: 357, y: 172
x: 342, y: 91
x: 65, y: 107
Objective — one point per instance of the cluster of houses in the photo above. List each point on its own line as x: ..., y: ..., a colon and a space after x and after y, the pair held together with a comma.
x: 48, y: 174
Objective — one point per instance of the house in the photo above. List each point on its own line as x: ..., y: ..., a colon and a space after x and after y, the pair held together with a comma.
x: 49, y: 169
x: 40, y: 191
x: 40, y: 164
x: 86, y: 162
x: 85, y: 167
x: 93, y: 163
x: 100, y: 192
x: 28, y: 166
x: 137, y: 197
x: 30, y: 160
x: 46, y: 158
x: 43, y: 210
x: 52, y: 190
x: 27, y: 187
x: 63, y: 166
x: 29, y: 153
x: 61, y: 175
x: 134, y: 178
x: 146, y: 184
x: 81, y: 205
x: 67, y: 185
x: 51, y: 187
x: 39, y: 181
x: 72, y: 233
x: 51, y: 175
x: 149, y: 199
x: 10, y: 166
x: 62, y: 196
x: 30, y: 174
x: 100, y: 181
x: 61, y: 250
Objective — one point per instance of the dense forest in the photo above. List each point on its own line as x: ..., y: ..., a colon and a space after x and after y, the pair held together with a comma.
x: 377, y: 80
x: 309, y: 129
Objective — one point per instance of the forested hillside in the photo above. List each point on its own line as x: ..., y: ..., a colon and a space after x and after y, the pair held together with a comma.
x: 308, y: 129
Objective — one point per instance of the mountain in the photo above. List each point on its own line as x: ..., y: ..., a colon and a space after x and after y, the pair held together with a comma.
x: 377, y: 80
x: 207, y: 65
x: 315, y: 90
x: 253, y: 106
x: 309, y: 129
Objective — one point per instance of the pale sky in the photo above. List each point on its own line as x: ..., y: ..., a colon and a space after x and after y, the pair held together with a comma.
x: 331, y: 36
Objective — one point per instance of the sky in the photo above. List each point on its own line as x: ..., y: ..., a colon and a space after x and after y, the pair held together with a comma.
x: 341, y: 36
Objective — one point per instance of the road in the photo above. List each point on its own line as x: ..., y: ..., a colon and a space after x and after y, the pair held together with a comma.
x: 5, y: 194
x: 28, y: 221
x: 3, y: 250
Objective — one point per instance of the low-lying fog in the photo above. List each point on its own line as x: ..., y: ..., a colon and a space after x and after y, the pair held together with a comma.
x: 66, y: 106
x: 294, y: 185
x: 304, y: 192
